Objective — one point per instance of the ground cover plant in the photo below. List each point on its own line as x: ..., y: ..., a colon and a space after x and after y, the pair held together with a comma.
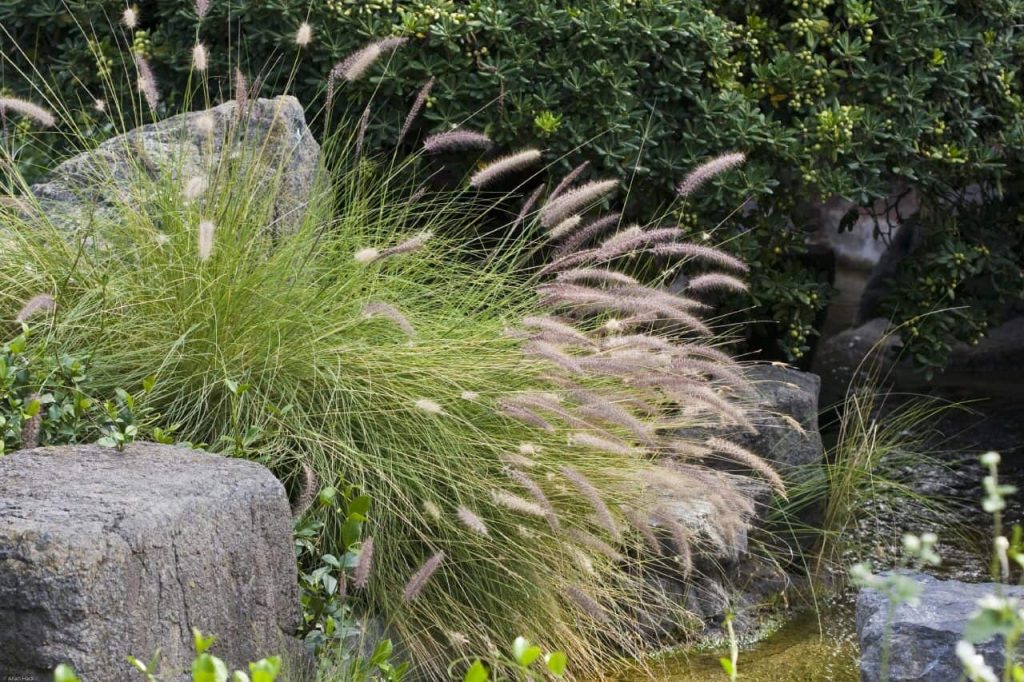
x: 853, y: 98
x: 502, y: 396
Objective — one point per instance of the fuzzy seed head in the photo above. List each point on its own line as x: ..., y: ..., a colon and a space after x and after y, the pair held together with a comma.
x: 356, y: 64
x: 27, y: 109
x: 421, y: 577
x: 147, y: 81
x: 456, y: 140
x: 431, y: 510
x: 367, y: 255
x: 205, y: 123
x: 241, y: 91
x: 205, y: 241
x: 707, y: 170
x: 365, y: 564
x: 749, y: 459
x: 429, y: 406
x: 39, y: 302
x: 557, y: 210
x: 586, y: 603
x: 130, y: 18
x: 307, y: 488
x: 414, y: 243
x: 515, y: 503
x: 593, y: 496
x: 469, y: 396
x: 194, y: 187
x: 415, y: 109
x: 202, y: 7
x: 715, y: 281
x: 503, y: 167
x: 304, y: 35
x: 199, y: 58
x: 391, y: 313
x: 471, y: 521
x: 565, y: 227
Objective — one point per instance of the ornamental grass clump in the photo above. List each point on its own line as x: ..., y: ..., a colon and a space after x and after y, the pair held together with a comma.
x: 507, y: 419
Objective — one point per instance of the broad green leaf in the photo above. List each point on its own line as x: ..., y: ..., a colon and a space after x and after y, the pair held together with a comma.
x: 360, y: 505
x: 207, y: 668
x: 266, y: 669
x: 476, y: 673
x: 529, y: 655
x: 382, y: 653
x: 556, y: 663
x: 201, y: 642
x: 330, y: 583
x: 239, y: 676
x: 327, y: 496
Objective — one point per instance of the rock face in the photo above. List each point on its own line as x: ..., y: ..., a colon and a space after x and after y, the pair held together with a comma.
x: 786, y: 415
x: 865, y: 352
x: 924, y: 637
x: 993, y: 368
x: 271, y: 138
x: 105, y: 554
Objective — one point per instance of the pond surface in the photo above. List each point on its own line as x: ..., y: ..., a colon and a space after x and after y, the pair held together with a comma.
x: 808, y: 648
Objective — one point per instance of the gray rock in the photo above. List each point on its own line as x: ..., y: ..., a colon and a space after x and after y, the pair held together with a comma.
x: 924, y: 637
x: 724, y: 578
x: 866, y: 353
x: 871, y: 353
x: 786, y: 417
x: 273, y: 141
x: 106, y: 554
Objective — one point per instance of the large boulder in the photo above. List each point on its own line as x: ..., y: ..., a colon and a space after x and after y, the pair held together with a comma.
x: 786, y: 417
x: 853, y: 357
x: 923, y: 638
x: 873, y: 354
x: 723, y: 576
x: 269, y: 135
x: 105, y: 554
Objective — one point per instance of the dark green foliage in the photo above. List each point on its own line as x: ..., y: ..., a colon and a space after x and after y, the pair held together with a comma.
x: 52, y: 390
x: 847, y: 98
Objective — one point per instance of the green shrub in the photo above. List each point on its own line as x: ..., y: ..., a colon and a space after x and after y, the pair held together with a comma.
x: 850, y: 98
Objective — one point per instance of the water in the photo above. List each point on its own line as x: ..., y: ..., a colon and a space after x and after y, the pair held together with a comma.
x: 805, y: 649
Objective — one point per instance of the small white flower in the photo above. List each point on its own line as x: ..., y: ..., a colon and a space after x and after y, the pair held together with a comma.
x: 911, y: 543
x: 990, y: 459
x: 991, y: 602
x: 304, y: 35
x: 974, y: 663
